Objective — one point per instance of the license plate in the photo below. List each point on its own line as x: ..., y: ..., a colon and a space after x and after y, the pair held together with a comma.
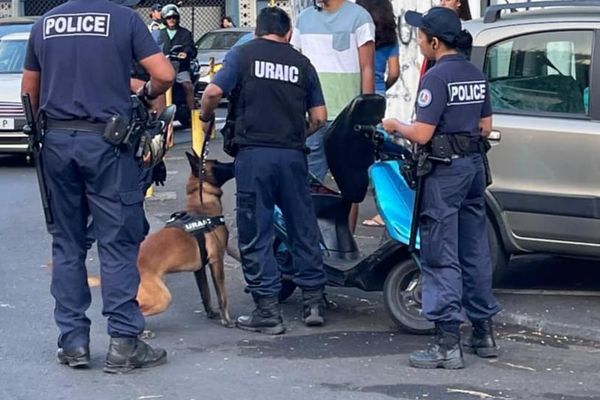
x: 7, y: 124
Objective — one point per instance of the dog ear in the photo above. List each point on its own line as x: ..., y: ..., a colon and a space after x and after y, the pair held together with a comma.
x: 194, y: 163
x: 223, y: 172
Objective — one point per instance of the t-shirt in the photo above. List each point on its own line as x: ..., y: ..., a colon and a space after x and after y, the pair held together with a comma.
x: 382, y: 55
x: 331, y: 41
x: 454, y: 96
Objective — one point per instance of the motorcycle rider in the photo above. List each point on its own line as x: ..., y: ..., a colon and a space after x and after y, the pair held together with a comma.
x: 176, y: 35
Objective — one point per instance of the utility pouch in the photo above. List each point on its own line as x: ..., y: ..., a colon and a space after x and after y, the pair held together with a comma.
x: 460, y: 144
x: 116, y: 130
x: 441, y: 146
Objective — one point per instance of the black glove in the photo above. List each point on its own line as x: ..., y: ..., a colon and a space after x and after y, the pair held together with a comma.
x: 159, y: 174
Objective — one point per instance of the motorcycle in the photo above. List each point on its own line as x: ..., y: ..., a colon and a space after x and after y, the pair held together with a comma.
x: 183, y: 114
x: 353, y: 146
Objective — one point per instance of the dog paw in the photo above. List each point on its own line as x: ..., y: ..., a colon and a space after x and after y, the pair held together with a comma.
x: 228, y: 323
x: 212, y: 314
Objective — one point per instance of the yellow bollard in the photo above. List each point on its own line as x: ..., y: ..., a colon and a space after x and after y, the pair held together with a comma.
x: 197, y: 132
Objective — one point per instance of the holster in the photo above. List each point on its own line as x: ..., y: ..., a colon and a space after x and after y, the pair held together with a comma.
x: 228, y: 130
x: 484, y: 147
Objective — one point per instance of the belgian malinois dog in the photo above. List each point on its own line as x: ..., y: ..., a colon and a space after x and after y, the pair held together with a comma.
x: 173, y: 249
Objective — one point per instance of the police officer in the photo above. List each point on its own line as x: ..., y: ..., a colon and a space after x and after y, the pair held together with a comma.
x: 274, y: 86
x: 453, y: 114
x: 77, y: 71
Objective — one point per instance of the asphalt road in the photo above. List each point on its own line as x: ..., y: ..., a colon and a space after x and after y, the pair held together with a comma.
x: 357, y: 355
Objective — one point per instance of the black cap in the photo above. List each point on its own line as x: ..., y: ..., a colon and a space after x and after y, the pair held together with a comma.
x: 156, y: 7
x: 439, y: 21
x: 127, y: 3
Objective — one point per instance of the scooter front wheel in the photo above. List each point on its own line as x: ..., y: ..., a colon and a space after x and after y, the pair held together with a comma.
x: 402, y: 298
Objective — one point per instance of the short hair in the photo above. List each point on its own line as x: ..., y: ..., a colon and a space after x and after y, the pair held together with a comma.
x: 273, y: 20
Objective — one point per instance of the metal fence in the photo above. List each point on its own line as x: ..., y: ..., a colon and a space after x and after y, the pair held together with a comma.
x: 199, y: 16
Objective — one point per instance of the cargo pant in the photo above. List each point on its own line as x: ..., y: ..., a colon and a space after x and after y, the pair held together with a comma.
x: 266, y: 177
x: 455, y: 254
x: 85, y: 175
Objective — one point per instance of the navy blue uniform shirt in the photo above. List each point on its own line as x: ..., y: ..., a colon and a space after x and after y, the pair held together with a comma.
x: 454, y: 96
x: 85, y: 49
x: 231, y: 74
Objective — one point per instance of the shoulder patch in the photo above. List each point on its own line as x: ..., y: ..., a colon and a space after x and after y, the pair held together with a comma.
x: 424, y: 98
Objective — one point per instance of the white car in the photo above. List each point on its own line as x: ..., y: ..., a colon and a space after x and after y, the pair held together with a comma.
x: 13, y: 47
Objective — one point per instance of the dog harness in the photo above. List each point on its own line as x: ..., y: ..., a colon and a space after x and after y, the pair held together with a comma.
x: 197, y: 226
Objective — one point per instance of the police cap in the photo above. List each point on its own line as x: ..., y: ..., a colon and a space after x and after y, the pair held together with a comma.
x: 441, y: 22
x: 156, y: 7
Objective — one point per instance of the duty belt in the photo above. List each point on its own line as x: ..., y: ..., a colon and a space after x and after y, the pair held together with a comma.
x: 75, y: 125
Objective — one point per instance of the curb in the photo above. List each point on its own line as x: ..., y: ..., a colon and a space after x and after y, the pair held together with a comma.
x: 546, y: 326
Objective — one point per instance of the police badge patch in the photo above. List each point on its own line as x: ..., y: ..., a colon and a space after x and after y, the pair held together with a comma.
x: 424, y: 98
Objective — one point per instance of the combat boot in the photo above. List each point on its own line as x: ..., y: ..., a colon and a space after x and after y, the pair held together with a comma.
x: 127, y: 353
x: 266, y: 317
x: 444, y: 352
x: 313, y: 306
x: 481, y: 341
x: 76, y: 358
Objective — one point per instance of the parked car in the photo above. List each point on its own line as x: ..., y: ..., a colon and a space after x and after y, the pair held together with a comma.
x: 13, y: 47
x: 213, y: 46
x: 540, y: 59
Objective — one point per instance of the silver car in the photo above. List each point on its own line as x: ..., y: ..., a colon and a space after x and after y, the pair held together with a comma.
x: 12, y: 56
x: 213, y: 46
x: 545, y: 158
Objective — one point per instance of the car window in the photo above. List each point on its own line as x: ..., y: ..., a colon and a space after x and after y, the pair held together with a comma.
x: 219, y: 40
x: 12, y: 56
x: 541, y: 72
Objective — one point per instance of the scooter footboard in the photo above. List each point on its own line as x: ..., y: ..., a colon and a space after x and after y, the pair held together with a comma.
x: 370, y: 274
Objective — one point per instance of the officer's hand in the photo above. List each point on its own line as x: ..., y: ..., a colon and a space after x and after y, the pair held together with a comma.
x: 182, y: 56
x: 390, y: 125
x: 159, y: 174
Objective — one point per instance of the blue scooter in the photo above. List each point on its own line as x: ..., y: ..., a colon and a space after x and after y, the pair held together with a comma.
x: 355, y: 150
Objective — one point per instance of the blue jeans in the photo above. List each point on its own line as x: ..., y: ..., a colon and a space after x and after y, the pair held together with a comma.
x: 317, y: 161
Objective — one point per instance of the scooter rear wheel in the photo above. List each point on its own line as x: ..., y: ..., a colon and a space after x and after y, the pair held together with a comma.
x: 402, y: 298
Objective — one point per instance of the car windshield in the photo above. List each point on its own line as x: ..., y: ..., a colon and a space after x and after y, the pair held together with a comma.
x: 12, y: 56
x: 219, y: 40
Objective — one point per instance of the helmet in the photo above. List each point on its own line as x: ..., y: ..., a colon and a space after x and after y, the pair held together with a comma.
x: 170, y: 10
x: 155, y: 148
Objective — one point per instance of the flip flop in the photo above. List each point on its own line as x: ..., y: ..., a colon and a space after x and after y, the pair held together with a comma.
x: 372, y: 223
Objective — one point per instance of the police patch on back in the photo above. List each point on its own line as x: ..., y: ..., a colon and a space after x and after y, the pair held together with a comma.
x: 84, y: 24
x: 472, y: 92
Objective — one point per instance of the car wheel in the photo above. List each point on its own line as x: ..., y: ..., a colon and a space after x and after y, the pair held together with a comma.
x: 402, y: 298
x: 498, y: 254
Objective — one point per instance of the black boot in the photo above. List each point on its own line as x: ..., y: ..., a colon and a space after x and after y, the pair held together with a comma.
x: 266, y: 317
x: 127, y: 353
x: 444, y: 352
x: 76, y: 358
x: 481, y: 341
x: 313, y: 306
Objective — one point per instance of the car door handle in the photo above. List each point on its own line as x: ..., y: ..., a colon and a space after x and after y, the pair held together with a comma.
x: 495, y: 136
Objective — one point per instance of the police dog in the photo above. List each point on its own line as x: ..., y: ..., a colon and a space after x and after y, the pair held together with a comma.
x: 172, y: 249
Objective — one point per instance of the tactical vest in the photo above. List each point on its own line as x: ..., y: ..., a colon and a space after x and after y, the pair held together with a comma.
x: 271, y: 97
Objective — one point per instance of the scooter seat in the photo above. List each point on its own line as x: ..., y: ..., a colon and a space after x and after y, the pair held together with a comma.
x: 350, y: 153
x: 394, y: 199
